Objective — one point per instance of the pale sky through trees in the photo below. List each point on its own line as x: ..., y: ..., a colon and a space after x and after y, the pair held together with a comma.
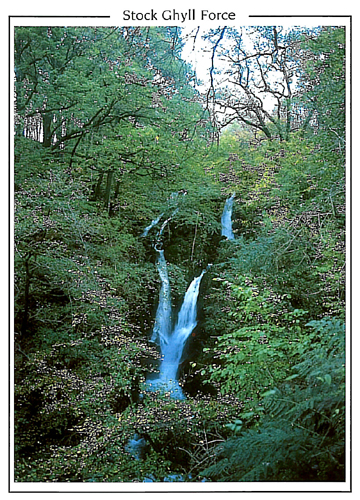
x: 198, y: 52
x: 249, y: 74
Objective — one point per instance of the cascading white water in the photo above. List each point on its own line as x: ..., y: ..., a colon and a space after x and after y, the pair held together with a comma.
x: 172, y: 343
x: 226, y: 222
x: 150, y: 226
x: 172, y: 350
x: 162, y: 325
x: 164, y: 224
x: 172, y: 201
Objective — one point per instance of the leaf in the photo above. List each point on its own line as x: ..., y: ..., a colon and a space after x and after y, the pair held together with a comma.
x: 236, y: 426
x: 247, y: 414
x: 271, y: 392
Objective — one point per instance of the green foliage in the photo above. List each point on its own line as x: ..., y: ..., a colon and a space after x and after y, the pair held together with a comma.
x: 302, y: 432
x: 106, y: 99
x: 286, y: 267
x: 264, y: 341
x: 323, y: 85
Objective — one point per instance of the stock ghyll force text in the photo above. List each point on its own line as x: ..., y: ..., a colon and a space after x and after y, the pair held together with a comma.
x: 174, y: 15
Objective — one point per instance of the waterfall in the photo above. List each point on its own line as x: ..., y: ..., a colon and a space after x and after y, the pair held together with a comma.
x: 226, y: 222
x: 165, y: 223
x: 162, y: 325
x: 172, y: 343
x: 136, y: 447
x: 172, y: 201
x: 153, y: 223
x: 173, y: 349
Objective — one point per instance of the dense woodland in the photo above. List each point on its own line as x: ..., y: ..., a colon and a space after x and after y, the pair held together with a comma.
x: 109, y: 122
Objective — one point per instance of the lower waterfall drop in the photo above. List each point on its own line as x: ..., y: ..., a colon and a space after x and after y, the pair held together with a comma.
x: 162, y: 325
x: 172, y: 343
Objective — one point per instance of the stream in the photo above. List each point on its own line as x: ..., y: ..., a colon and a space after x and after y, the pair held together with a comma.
x: 171, y: 341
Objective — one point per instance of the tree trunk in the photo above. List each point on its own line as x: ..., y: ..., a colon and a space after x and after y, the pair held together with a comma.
x: 108, y: 189
x: 24, y: 325
x: 47, y: 117
x: 117, y: 187
x: 97, y: 189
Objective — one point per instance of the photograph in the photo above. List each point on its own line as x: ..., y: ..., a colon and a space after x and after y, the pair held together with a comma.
x: 179, y: 209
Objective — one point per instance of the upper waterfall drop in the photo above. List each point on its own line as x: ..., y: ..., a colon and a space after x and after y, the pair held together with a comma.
x: 172, y: 201
x: 150, y: 226
x: 226, y: 222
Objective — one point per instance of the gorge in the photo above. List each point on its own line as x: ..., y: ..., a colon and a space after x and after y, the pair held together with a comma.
x: 172, y: 339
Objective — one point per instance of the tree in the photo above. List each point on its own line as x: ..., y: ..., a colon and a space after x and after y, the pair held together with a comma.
x: 301, y: 435
x: 253, y: 77
x: 76, y: 88
x: 279, y: 326
x: 322, y: 86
